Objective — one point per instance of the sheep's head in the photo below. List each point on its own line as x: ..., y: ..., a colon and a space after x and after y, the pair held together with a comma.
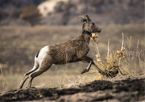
x: 88, y: 25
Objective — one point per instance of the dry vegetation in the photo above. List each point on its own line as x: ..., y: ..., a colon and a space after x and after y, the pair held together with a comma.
x: 19, y: 45
x: 112, y: 65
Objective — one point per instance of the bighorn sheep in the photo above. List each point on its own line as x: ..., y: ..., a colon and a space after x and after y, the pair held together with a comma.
x: 73, y: 50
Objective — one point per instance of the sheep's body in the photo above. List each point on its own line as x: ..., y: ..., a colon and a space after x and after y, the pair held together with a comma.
x: 62, y: 53
x: 71, y: 51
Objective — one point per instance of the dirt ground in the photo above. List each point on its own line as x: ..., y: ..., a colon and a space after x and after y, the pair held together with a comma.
x: 131, y: 89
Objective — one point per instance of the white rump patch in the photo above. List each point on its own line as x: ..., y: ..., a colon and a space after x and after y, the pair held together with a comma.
x: 43, y: 53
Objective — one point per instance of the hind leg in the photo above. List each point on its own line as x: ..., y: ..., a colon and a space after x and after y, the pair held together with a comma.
x: 26, y: 76
x: 46, y: 64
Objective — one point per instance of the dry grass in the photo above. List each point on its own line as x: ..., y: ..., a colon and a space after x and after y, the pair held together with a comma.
x: 112, y: 64
x: 110, y: 67
x: 135, y: 56
x: 19, y: 45
x: 51, y: 79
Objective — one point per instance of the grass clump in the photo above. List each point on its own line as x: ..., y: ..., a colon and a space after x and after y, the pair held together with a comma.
x: 112, y: 64
x: 110, y: 67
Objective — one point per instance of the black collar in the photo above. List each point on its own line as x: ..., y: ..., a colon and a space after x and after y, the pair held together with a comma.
x: 87, y: 32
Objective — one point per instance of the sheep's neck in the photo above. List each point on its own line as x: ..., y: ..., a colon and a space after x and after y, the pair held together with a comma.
x: 86, y: 36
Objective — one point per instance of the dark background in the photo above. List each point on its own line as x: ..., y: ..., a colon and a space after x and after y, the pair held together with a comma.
x: 65, y: 13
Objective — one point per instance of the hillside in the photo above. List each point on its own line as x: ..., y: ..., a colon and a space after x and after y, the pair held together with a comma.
x: 101, y: 11
x: 65, y: 12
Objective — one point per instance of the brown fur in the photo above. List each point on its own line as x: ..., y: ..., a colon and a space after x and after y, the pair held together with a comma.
x: 71, y: 51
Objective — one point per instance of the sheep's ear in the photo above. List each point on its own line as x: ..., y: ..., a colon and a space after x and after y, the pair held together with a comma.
x: 83, y: 18
x: 88, y: 18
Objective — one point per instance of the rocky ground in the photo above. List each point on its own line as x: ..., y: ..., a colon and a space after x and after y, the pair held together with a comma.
x: 131, y: 89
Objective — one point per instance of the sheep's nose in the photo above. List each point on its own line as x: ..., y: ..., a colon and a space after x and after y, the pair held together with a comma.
x: 99, y: 30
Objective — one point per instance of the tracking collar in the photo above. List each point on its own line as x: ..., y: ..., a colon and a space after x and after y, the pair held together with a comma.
x: 87, y: 32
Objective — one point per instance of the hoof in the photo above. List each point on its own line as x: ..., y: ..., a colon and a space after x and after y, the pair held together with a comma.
x: 30, y: 87
x: 101, y: 72
x: 84, y: 71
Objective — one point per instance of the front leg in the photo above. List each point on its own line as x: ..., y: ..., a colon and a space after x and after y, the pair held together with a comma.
x: 90, y: 61
x: 87, y: 69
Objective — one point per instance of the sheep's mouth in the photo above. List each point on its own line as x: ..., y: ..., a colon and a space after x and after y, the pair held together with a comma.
x: 99, y: 31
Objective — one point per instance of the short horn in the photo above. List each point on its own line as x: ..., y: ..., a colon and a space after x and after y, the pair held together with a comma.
x: 84, y: 17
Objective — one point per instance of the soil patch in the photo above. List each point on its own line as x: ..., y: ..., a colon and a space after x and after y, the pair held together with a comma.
x: 99, y: 90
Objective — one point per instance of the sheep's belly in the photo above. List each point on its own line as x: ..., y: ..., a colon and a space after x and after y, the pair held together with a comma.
x: 65, y: 59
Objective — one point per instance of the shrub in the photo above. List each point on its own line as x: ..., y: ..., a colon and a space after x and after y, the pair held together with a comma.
x: 2, y: 14
x: 60, y: 6
x: 31, y: 14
